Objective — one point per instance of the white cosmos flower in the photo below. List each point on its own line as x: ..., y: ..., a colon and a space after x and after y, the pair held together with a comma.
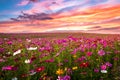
x: 27, y: 61
x: 14, y: 78
x: 17, y: 52
x: 103, y: 71
x: 32, y: 48
x: 32, y: 73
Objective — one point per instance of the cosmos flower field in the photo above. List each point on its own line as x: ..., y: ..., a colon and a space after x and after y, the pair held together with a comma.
x: 59, y: 57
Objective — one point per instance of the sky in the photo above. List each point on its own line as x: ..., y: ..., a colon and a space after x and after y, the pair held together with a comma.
x: 34, y: 16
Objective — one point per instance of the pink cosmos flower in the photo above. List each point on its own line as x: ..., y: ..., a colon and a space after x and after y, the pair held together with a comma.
x: 103, y: 67
x: 1, y: 42
x: 41, y: 49
x: 116, y: 58
x: 82, y: 58
x: 2, y: 50
x: 9, y: 42
x: 96, y: 70
x: 9, y: 68
x: 108, y: 64
x: 49, y: 60
x: 94, y: 46
x: 74, y: 52
x: 39, y: 69
x: 89, y: 53
x: 67, y: 77
x: 101, y: 52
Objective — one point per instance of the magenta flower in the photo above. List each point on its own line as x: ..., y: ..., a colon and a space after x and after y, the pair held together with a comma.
x: 103, y: 67
x: 61, y: 41
x: 94, y: 46
x: 116, y: 52
x: 81, y: 58
x: 74, y: 52
x: 89, y: 53
x: 66, y: 77
x: 96, y: 70
x: 101, y: 52
x: 104, y: 43
x: 14, y: 68
x: 1, y: 42
x: 9, y: 68
x: 108, y: 64
x: 32, y: 58
x: 2, y: 50
x: 39, y: 69
x: 9, y: 42
x: 49, y: 60
x: 41, y: 49
x: 116, y: 58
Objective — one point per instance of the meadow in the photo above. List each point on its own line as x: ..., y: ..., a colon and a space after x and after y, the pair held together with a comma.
x: 59, y: 56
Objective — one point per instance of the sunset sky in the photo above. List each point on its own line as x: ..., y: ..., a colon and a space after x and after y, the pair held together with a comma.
x: 25, y: 16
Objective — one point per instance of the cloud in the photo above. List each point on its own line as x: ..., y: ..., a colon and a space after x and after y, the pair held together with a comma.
x: 102, y: 16
x: 115, y: 19
x: 54, y: 6
x: 23, y: 3
x: 29, y: 17
x: 112, y: 28
x: 94, y: 27
x: 4, y: 16
x: 103, y: 30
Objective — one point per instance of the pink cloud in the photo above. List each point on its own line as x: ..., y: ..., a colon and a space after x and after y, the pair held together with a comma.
x: 53, y: 6
x: 23, y: 3
x: 38, y: 7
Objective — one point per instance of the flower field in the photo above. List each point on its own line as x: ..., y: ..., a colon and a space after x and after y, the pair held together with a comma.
x: 56, y: 57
